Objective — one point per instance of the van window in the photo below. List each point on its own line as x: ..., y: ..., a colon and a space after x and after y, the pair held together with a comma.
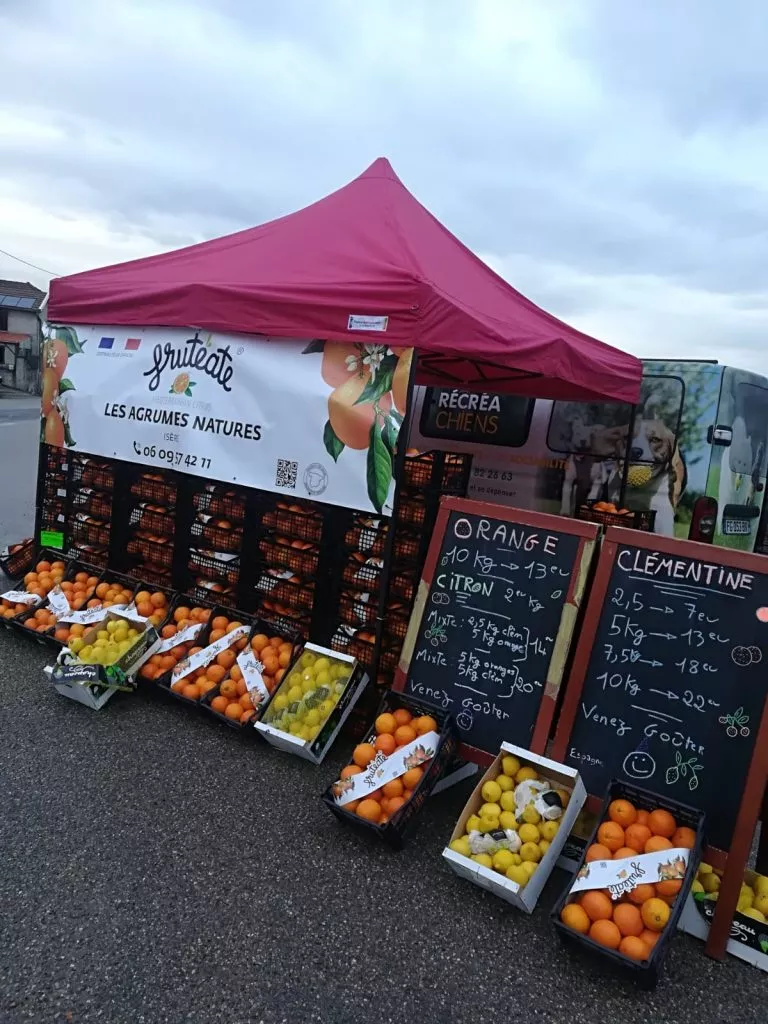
x: 600, y: 429
x: 750, y: 423
x: 482, y: 417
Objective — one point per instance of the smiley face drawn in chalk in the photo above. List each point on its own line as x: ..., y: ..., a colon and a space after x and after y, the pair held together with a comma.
x: 465, y: 721
x: 741, y: 656
x: 639, y: 765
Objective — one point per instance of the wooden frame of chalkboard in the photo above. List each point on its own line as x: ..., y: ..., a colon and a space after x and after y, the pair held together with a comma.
x: 539, y: 602
x: 693, y: 604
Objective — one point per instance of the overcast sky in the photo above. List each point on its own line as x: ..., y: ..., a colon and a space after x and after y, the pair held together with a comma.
x: 609, y: 158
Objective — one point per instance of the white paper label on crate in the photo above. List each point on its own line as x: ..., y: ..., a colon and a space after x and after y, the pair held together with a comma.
x: 252, y: 668
x: 128, y: 611
x: 620, y: 876
x: 360, y: 322
x: 206, y: 656
x: 20, y: 597
x: 180, y: 638
x: 86, y: 617
x: 57, y: 599
x: 216, y: 556
x: 384, y: 769
x: 61, y: 492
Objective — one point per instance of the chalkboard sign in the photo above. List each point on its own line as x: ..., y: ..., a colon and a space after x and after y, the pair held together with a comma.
x: 493, y: 620
x: 670, y: 678
x: 481, y: 417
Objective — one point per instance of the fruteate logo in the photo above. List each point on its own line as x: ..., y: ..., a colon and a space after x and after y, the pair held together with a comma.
x: 195, y: 354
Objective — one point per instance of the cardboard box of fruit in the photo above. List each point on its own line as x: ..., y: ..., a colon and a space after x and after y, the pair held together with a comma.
x: 394, y: 769
x: 514, y: 825
x: 626, y: 898
x: 749, y: 928
x: 307, y: 710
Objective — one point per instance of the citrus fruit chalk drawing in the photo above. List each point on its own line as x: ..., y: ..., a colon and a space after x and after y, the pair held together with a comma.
x: 684, y: 769
x: 182, y: 385
x: 639, y: 765
x: 736, y: 723
x: 436, y: 635
x: 741, y: 656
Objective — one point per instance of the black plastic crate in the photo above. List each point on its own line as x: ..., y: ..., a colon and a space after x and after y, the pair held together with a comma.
x: 87, y: 530
x: 394, y: 831
x: 73, y: 566
x: 152, y: 520
x: 293, y: 592
x: 157, y: 552
x: 402, y: 584
x: 93, y: 473
x: 363, y: 574
x: 216, y: 501
x: 157, y: 574
x: 216, y: 537
x: 96, y: 555
x: 642, y: 520
x: 645, y: 972
x: 155, y: 487
x: 412, y: 511
x: 204, y: 638
x: 205, y: 563
x: 367, y: 535
x: 294, y: 521
x: 93, y: 503
x: 302, y: 561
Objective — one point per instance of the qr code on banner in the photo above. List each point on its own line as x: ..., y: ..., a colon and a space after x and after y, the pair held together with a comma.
x: 286, y: 473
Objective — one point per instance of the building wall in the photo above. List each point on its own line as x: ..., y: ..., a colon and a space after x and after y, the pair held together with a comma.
x: 27, y: 375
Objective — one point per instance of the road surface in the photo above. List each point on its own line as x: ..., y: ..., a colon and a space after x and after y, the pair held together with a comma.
x: 19, y: 439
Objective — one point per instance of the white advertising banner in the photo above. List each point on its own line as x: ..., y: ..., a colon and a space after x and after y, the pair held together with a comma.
x: 300, y: 418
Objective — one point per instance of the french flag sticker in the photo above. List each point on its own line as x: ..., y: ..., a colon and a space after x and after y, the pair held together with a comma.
x: 106, y: 343
x: 131, y: 344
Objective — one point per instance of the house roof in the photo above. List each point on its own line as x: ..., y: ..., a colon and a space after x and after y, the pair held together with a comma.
x: 367, y: 263
x: 10, y: 290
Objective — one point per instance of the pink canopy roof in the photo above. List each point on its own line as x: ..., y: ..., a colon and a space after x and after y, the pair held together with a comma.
x: 368, y: 250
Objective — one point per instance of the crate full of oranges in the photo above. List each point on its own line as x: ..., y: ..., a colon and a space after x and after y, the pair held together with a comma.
x: 630, y: 887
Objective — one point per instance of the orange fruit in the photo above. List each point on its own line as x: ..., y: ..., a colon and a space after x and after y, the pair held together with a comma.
x: 247, y: 716
x: 393, y: 788
x: 605, y: 933
x: 395, y: 803
x: 385, y: 743
x: 412, y: 778
x: 424, y: 724
x: 363, y: 754
x: 684, y: 838
x: 219, y: 704
x: 622, y: 812
x: 234, y: 711
x: 385, y: 723
x: 241, y: 687
x: 246, y: 702
x: 158, y: 600
x: 641, y: 893
x: 624, y: 852
x: 235, y: 673
x: 657, y: 843
x: 642, y: 817
x: 228, y: 689
x: 191, y: 691
x: 370, y: 810
x: 597, y: 906
x: 661, y: 823
x: 650, y: 938
x: 349, y: 771
x: 575, y: 917
x: 258, y: 643
x: 226, y: 659
x: 670, y: 887
x: 142, y: 596
x: 404, y: 734
x: 655, y: 914
x: 216, y: 673
x: 636, y: 836
x: 402, y: 716
x: 598, y: 852
x: 634, y: 948
x: 627, y: 918
x: 206, y: 685
x: 611, y: 835
x: 181, y: 613
x: 46, y: 567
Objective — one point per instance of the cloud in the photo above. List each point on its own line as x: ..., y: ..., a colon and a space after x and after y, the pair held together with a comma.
x: 610, y: 167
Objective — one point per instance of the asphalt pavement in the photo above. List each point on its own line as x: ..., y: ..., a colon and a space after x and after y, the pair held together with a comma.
x: 157, y: 868
x: 19, y: 441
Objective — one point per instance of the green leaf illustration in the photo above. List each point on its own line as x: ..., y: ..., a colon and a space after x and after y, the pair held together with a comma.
x: 65, y: 384
x: 379, y: 468
x: 333, y: 445
x: 69, y: 336
x: 188, y: 392
x: 316, y: 345
x: 396, y: 417
x: 69, y: 441
x: 389, y: 436
x: 764, y: 945
x: 381, y: 384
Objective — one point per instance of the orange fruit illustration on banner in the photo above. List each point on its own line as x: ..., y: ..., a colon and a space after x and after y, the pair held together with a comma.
x: 352, y: 423
x: 400, y: 381
x: 180, y: 384
x: 340, y: 362
x: 54, y: 429
x: 50, y: 390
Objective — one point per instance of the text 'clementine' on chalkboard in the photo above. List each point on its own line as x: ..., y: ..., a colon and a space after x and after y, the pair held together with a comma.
x: 674, y: 662
x: 490, y: 631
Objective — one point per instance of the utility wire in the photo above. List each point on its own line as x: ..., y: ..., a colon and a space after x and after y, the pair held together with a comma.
x: 28, y: 264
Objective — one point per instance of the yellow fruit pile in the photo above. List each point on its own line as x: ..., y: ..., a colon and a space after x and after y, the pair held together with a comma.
x: 753, y: 898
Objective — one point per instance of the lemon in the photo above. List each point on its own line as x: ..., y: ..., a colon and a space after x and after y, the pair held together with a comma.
x: 760, y: 885
x: 76, y: 644
x: 549, y: 829
x: 473, y: 823
x: 705, y: 869
x: 761, y: 904
x: 696, y: 886
x: 86, y: 652
x: 516, y: 859
x: 517, y: 873
x: 280, y: 702
x: 491, y: 792
x: 489, y: 824
x: 502, y: 860
x: 529, y: 867
x: 102, y: 635
x: 544, y: 845
x: 710, y: 882
x: 307, y: 685
x: 295, y: 693
x: 504, y: 783
x: 326, y: 708
x: 528, y: 834
x: 510, y: 765
x: 482, y: 858
x: 507, y: 802
x: 120, y: 635
x: 295, y: 729
x: 461, y: 846
x: 490, y: 810
x: 307, y: 659
x: 531, y: 815
x: 754, y: 913
x: 132, y: 634
x: 508, y: 820
x: 530, y: 851
x: 322, y: 665
x: 312, y: 717
x: 112, y: 625
x: 323, y: 679
x: 526, y: 774
x: 746, y: 899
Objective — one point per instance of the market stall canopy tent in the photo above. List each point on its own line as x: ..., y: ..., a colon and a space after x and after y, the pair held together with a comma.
x: 368, y: 250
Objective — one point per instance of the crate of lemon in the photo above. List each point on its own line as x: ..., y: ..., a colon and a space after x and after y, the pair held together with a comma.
x: 111, y: 650
x: 307, y: 710
x: 627, y: 895
x: 515, y: 824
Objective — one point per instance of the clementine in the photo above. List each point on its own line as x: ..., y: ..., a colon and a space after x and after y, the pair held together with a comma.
x: 605, y: 933
x: 575, y: 917
x: 611, y: 834
x: 662, y: 823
